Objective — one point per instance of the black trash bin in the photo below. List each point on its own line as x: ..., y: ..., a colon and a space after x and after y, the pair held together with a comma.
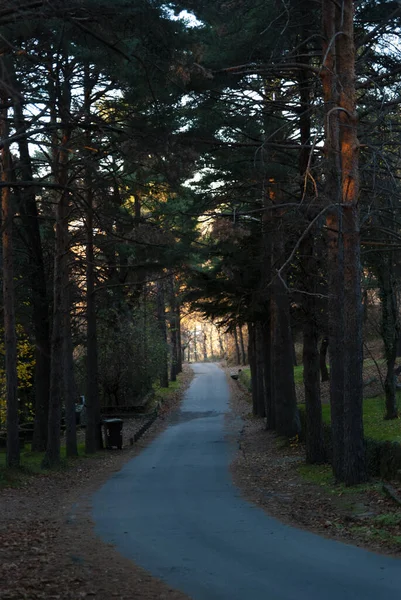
x: 113, y: 433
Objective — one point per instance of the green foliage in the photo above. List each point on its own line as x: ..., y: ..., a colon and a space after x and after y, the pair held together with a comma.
x: 322, y: 475
x: 388, y: 519
x: 375, y: 426
x: 25, y: 369
x: 130, y: 355
x: 245, y: 378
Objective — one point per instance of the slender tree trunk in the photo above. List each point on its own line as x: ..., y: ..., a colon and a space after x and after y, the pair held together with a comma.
x: 237, y: 352
x: 260, y: 370
x: 255, y: 379
x: 62, y: 95
x: 324, y: 372
x: 70, y: 389
x: 195, y: 347
x: 173, y: 327
x: 221, y: 346
x: 286, y: 411
x: 52, y: 456
x: 179, y: 343
x: 10, y: 336
x: 315, y: 452
x: 345, y: 303
x: 93, y: 433
x: 161, y: 320
x: 354, y: 448
x: 334, y: 242
x: 242, y: 345
x: 40, y: 300
x: 390, y: 331
x: 267, y: 380
x: 93, y: 436
x: 293, y: 351
x: 204, y: 345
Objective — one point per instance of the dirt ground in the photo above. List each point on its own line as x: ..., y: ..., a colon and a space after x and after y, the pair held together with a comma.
x: 48, y: 549
x: 267, y: 470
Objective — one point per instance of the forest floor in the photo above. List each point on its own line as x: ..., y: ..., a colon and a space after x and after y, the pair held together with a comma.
x: 48, y: 548
x: 272, y: 473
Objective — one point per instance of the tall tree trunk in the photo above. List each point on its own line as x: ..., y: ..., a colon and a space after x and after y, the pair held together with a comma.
x: 70, y: 389
x: 211, y: 343
x: 221, y: 346
x: 173, y: 327
x: 40, y: 301
x: 345, y: 303
x: 286, y: 411
x: 10, y: 336
x: 260, y: 399
x: 324, y: 372
x: 237, y: 353
x: 255, y: 379
x: 390, y: 330
x: 195, y: 347
x: 334, y: 242
x: 93, y: 434
x: 242, y: 345
x: 161, y: 320
x: 52, y: 456
x: 354, y: 447
x: 315, y: 452
x: 60, y: 95
x: 267, y: 380
x: 282, y: 370
x: 179, y: 343
x: 204, y: 345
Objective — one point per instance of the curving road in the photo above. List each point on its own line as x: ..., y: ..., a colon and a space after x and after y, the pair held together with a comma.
x: 174, y: 511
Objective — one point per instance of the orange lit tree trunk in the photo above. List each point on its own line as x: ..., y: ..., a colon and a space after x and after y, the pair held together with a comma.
x: 344, y: 268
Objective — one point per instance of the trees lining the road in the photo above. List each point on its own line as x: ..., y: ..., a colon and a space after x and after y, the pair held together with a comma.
x: 109, y: 111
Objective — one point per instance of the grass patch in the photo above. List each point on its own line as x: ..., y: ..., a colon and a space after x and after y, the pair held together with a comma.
x: 388, y: 519
x: 31, y: 464
x: 322, y: 475
x: 244, y: 377
x: 317, y: 474
x: 162, y: 393
x: 299, y: 374
x: 375, y: 426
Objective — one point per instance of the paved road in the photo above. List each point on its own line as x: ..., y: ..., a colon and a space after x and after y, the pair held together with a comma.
x: 174, y: 511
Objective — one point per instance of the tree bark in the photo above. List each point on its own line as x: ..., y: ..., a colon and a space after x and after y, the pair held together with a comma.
x: 390, y: 330
x: 173, y: 327
x: 70, y: 389
x: 315, y: 451
x: 10, y: 336
x: 161, y: 320
x: 242, y: 345
x: 253, y: 364
x: 221, y: 346
x: 61, y: 97
x: 267, y: 379
x: 93, y: 433
x: 237, y: 352
x: 324, y: 372
x: 40, y: 301
x: 342, y: 181
x: 179, y: 343
x: 204, y: 345
x: 286, y: 411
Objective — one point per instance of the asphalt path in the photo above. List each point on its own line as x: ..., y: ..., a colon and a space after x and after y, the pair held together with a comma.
x: 174, y: 511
